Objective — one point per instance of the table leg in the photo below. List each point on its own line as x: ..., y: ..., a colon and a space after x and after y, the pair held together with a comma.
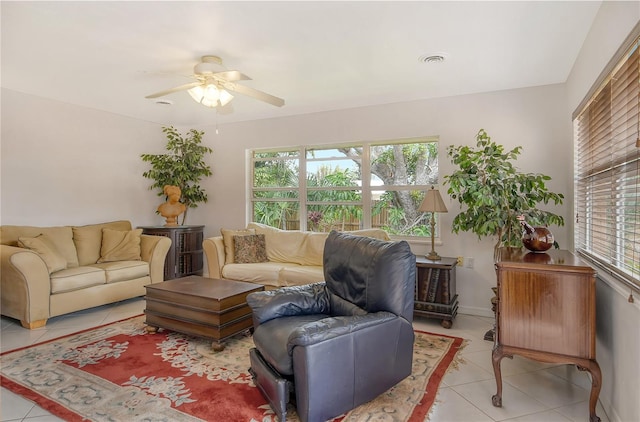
x: 151, y: 329
x: 217, y: 346
x: 496, y: 358
x: 596, y: 384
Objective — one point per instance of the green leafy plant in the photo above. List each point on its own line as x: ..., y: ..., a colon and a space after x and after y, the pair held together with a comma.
x: 183, y: 166
x: 495, y: 193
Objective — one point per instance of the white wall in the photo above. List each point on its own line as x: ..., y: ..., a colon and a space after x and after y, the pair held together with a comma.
x: 618, y: 321
x: 69, y: 165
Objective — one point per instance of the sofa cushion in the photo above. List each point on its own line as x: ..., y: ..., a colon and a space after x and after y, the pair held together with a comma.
x: 301, y: 247
x: 249, y: 248
x: 282, y: 245
x: 298, y: 275
x: 61, y: 237
x: 119, y: 245
x: 123, y: 270
x: 276, y: 274
x: 227, y: 239
x: 44, y: 247
x: 266, y: 273
x: 88, y: 239
x: 76, y: 278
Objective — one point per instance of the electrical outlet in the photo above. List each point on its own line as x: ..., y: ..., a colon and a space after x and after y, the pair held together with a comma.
x: 468, y: 262
x: 461, y: 261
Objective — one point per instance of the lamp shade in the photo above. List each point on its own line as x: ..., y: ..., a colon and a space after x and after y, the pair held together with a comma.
x: 432, y: 202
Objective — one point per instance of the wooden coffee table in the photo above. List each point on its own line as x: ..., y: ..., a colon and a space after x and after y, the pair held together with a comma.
x: 198, y: 306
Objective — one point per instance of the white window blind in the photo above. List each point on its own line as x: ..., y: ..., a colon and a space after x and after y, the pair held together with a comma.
x: 607, y: 172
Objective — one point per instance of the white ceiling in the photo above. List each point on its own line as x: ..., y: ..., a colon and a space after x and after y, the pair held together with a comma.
x: 316, y: 55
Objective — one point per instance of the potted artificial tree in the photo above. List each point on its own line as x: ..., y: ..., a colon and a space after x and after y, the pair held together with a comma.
x: 495, y: 193
x: 183, y: 166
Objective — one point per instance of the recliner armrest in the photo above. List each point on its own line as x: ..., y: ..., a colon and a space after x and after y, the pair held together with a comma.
x: 328, y: 328
x: 289, y: 301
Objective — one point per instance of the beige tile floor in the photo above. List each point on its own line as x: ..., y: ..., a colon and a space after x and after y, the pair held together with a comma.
x: 532, y: 391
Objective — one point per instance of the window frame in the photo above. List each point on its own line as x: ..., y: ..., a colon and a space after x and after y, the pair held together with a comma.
x: 366, y: 187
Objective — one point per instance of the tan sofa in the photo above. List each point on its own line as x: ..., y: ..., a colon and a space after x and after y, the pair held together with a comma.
x: 51, y: 271
x: 293, y: 257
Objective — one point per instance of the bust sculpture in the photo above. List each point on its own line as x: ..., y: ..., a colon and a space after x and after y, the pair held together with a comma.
x: 171, y: 209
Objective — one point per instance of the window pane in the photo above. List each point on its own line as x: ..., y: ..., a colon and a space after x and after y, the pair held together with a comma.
x: 275, y: 173
x: 324, y: 218
x: 321, y: 153
x: 333, y: 173
x: 404, y: 164
x: 276, y: 154
x: 334, y: 196
x: 275, y: 194
x: 283, y: 215
x: 397, y: 213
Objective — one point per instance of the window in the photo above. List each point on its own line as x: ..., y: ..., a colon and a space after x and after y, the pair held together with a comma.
x: 607, y: 172
x: 345, y: 187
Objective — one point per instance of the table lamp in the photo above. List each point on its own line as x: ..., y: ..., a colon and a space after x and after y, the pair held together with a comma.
x: 432, y: 203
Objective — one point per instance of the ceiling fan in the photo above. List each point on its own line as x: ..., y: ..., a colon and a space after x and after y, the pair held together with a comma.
x: 213, y: 82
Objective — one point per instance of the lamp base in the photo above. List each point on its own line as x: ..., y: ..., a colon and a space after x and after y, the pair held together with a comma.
x: 433, y: 256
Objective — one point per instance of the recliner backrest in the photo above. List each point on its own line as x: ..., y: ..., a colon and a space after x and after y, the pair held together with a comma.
x: 375, y: 275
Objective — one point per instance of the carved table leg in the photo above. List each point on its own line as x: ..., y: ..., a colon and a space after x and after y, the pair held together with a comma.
x: 596, y: 384
x: 496, y: 357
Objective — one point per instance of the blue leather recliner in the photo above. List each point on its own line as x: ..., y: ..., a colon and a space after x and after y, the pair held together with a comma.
x: 334, y: 345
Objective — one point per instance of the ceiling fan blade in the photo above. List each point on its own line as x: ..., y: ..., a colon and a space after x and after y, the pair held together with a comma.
x: 225, y: 109
x: 262, y: 96
x: 232, y: 76
x: 176, y: 89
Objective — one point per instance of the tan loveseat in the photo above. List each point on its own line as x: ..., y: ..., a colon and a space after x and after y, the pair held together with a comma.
x: 293, y: 257
x: 50, y: 271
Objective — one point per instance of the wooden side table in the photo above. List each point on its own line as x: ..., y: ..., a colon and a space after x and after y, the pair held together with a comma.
x: 435, y: 294
x: 546, y: 312
x: 185, y: 256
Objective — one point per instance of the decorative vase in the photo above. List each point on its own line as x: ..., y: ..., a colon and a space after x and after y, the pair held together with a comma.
x: 536, y: 239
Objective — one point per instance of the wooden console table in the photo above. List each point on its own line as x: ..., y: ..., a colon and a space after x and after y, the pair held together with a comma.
x: 435, y: 294
x: 185, y: 256
x: 547, y: 312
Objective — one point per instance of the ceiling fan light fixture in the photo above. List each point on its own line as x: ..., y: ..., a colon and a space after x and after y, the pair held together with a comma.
x: 210, y: 95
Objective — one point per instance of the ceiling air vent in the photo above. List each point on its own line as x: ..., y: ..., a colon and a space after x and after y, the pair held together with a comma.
x: 433, y: 58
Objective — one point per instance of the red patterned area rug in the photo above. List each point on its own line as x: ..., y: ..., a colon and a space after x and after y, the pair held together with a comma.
x: 119, y: 372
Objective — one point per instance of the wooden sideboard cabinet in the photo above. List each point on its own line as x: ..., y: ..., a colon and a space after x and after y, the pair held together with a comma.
x: 547, y: 312
x: 185, y: 256
x: 435, y: 294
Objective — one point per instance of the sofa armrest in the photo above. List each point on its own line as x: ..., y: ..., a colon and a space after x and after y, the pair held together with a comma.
x: 153, y: 249
x: 214, y: 254
x: 25, y: 286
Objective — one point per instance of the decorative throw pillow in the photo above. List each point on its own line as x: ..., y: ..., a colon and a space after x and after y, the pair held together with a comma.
x: 47, y: 251
x: 120, y: 245
x: 249, y: 248
x: 227, y: 239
